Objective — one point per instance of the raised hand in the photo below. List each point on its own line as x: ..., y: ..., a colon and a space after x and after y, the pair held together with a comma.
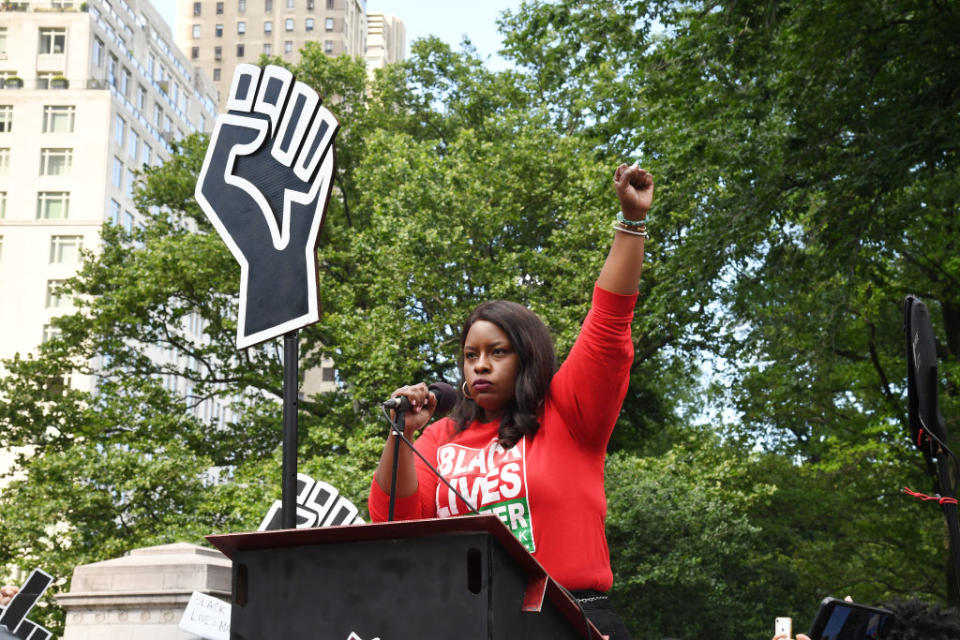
x: 635, y: 190
x: 264, y: 185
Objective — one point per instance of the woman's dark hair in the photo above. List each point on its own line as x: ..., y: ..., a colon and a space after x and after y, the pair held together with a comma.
x: 533, y: 345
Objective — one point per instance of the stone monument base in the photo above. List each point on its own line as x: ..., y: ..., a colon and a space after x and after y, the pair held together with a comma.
x: 142, y: 595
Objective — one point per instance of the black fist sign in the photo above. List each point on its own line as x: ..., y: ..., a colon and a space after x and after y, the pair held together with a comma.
x: 264, y: 185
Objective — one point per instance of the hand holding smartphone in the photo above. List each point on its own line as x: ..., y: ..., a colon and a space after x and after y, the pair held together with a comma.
x: 783, y: 627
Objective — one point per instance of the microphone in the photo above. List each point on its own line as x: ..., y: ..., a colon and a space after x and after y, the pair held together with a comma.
x: 445, y: 394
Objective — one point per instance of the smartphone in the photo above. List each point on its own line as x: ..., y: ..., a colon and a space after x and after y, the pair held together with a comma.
x: 783, y: 626
x: 838, y: 619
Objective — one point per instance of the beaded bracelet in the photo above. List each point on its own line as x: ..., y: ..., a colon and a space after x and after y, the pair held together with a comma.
x: 632, y: 223
x: 642, y: 234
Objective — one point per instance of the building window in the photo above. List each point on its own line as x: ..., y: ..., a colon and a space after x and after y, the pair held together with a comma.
x: 145, y: 152
x: 116, y: 177
x: 131, y: 180
x: 288, y: 24
x: 289, y: 4
x: 196, y: 8
x: 327, y: 374
x: 44, y: 79
x: 268, y: 5
x: 196, y: 32
x: 97, y: 52
x: 132, y: 141
x: 124, y: 82
x: 50, y: 332
x: 3, y: 39
x: 308, y: 24
x: 157, y: 114
x: 141, y: 97
x: 330, y: 4
x: 1, y: 247
x: 309, y: 5
x: 167, y: 124
x: 241, y: 6
x: 3, y: 205
x: 267, y: 49
x: 216, y: 75
x: 268, y: 26
x: 328, y: 46
x: 6, y: 118
x: 52, y: 40
x: 54, y: 299
x: 218, y: 30
x: 219, y: 8
x: 112, y: 70
x: 4, y: 160
x: 53, y: 205
x: 113, y: 213
x: 119, y: 129
x: 288, y: 46
x: 58, y: 118
x: 240, y: 50
x: 218, y: 53
x: 241, y: 27
x: 65, y: 249
x: 194, y: 53
x: 56, y: 162
x: 328, y: 24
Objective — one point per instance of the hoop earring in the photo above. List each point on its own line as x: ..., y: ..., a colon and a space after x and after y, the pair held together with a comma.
x: 463, y: 388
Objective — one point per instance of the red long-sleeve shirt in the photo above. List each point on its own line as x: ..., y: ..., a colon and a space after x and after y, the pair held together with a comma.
x: 548, y: 489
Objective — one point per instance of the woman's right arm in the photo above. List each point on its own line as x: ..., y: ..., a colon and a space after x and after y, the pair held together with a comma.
x: 423, y: 403
x: 408, y: 506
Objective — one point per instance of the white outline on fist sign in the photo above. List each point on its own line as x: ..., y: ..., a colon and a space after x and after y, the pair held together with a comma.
x: 265, y: 184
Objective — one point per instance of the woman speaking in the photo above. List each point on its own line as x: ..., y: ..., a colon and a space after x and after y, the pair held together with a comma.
x: 527, y: 441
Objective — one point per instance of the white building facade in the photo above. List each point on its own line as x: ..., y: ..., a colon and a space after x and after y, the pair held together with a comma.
x: 89, y: 93
x: 386, y: 40
x: 217, y: 35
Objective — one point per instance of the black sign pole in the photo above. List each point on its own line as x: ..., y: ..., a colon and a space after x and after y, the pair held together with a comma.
x: 290, y: 440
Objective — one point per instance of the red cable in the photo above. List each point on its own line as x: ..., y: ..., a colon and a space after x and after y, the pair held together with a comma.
x: 925, y: 497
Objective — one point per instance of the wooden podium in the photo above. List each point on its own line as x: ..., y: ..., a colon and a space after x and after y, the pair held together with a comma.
x: 462, y: 578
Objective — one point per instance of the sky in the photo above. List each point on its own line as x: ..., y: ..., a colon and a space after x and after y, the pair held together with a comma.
x: 449, y: 20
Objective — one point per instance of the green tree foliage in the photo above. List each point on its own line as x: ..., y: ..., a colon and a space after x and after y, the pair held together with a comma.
x: 810, y: 156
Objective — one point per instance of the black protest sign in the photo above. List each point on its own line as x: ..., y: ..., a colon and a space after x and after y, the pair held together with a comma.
x: 13, y: 617
x: 318, y: 504
x: 265, y: 184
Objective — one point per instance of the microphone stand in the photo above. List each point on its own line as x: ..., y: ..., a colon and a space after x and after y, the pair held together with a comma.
x: 396, y: 427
